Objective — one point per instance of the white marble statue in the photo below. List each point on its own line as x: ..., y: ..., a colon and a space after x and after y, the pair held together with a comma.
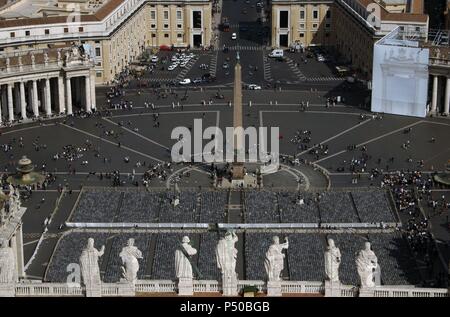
x: 33, y: 59
x: 46, y: 59
x: 130, y: 255
x: 183, y: 267
x: 332, y: 261
x: 8, y: 63
x: 274, y: 261
x: 90, y: 270
x: 367, y: 263
x: 226, y: 254
x: 75, y: 52
x: 8, y: 272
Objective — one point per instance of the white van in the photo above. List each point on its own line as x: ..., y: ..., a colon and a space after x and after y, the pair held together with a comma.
x: 276, y: 53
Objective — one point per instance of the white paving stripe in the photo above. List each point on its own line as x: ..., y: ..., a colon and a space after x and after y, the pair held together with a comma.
x: 137, y: 134
x: 371, y: 140
x: 113, y: 143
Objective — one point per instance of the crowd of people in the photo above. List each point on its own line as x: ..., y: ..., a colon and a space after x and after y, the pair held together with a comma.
x: 409, y: 190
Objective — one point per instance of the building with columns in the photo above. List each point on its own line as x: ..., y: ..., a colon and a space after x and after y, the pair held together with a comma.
x: 45, y: 83
x: 117, y: 31
x: 439, y: 70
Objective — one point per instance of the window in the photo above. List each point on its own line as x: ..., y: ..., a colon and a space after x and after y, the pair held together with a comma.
x: 66, y: 30
x: 12, y: 34
x: 153, y: 26
x: 302, y: 34
x: 47, y: 31
x: 302, y: 25
x: 153, y: 15
x: 179, y: 16
x: 97, y: 42
x: 327, y: 34
x: 315, y: 14
x: 417, y: 28
x: 197, y: 19
x: 179, y: 35
x: 302, y: 14
x: 327, y: 25
x: 166, y: 15
x: 98, y: 74
x: 166, y: 26
x: 284, y: 19
x: 328, y: 15
x: 98, y: 53
x: 80, y: 29
x: 314, y: 25
x: 179, y: 26
x: 153, y: 35
x: 27, y: 33
x: 166, y: 35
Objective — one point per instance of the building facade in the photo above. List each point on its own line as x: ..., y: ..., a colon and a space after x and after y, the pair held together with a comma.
x: 351, y: 27
x: 303, y: 22
x: 118, y: 31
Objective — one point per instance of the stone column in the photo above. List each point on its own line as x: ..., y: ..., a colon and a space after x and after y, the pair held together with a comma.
x: 16, y: 98
x: 447, y: 96
x: 48, y: 99
x: 68, y: 96
x: 88, y: 93
x: 35, y: 99
x: 1, y: 104
x: 61, y: 96
x: 93, y: 102
x: 434, y: 96
x: 10, y: 102
x: 23, y: 105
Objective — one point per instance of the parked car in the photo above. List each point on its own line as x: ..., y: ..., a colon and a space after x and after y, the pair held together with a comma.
x: 225, y: 65
x: 172, y: 67
x: 253, y: 87
x: 276, y: 53
x: 154, y: 59
x: 234, y: 36
x: 185, y: 81
x: 197, y: 81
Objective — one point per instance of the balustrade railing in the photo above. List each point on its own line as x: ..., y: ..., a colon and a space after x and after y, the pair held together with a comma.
x: 30, y: 289
x: 47, y: 289
x: 389, y: 291
x: 157, y: 286
x: 206, y: 286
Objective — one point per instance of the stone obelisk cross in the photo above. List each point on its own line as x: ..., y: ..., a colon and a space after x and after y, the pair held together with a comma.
x: 238, y: 165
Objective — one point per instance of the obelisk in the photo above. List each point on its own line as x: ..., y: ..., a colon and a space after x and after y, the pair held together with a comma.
x: 238, y: 167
